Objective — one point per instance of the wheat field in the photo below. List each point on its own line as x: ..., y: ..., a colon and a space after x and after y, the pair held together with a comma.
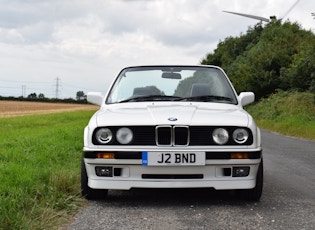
x: 21, y: 108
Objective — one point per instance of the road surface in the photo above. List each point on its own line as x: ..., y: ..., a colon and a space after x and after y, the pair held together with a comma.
x: 288, y: 200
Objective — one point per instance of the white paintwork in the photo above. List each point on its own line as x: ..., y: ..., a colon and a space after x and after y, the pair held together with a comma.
x: 146, y: 113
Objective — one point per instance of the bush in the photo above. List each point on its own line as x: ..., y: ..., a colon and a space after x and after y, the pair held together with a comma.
x: 287, y: 112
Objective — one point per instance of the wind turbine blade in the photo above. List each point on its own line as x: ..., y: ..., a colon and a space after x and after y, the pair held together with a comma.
x: 249, y: 16
x: 291, y: 8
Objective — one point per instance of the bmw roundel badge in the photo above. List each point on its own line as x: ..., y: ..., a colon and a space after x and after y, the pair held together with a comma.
x: 172, y: 119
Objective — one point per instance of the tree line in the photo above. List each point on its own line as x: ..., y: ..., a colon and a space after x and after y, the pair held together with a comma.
x: 268, y: 58
x: 80, y: 98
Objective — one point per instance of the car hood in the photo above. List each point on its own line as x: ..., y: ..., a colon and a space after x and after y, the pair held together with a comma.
x: 130, y: 114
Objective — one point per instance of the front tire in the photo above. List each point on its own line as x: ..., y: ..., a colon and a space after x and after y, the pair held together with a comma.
x: 255, y: 193
x: 87, y: 192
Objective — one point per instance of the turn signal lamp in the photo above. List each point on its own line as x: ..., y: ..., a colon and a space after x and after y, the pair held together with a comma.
x: 239, y: 155
x: 106, y: 155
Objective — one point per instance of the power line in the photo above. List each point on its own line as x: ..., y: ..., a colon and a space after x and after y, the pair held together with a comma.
x: 76, y: 87
x: 30, y: 82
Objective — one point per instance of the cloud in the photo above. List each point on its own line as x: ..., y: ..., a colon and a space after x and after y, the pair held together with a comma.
x: 11, y: 36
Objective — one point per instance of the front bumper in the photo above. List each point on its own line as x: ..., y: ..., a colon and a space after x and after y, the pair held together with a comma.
x: 130, y: 173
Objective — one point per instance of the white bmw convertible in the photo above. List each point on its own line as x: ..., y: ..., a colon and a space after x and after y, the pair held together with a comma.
x: 172, y: 127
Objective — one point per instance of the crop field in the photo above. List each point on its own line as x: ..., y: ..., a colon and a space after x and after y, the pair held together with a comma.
x: 21, y: 108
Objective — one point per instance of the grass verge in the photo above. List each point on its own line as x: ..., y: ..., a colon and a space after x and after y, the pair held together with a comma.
x: 289, y: 113
x: 40, y: 169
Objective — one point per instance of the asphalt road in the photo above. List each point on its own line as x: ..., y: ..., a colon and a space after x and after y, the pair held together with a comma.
x: 288, y: 200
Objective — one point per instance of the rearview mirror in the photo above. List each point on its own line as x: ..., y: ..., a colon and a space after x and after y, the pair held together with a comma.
x: 95, y: 98
x: 171, y: 75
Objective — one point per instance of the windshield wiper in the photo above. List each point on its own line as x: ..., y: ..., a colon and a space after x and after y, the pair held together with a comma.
x: 151, y: 98
x: 206, y: 98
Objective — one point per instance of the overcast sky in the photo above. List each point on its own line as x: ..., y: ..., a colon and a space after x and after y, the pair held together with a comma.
x: 81, y: 45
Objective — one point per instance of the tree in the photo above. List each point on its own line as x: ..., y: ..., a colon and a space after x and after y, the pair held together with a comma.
x: 41, y: 96
x: 232, y: 47
x: 80, y: 96
x: 32, y: 96
x: 277, y: 56
x: 300, y: 75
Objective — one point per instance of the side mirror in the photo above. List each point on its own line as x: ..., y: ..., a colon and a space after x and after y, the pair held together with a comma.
x: 246, y: 98
x: 95, y: 98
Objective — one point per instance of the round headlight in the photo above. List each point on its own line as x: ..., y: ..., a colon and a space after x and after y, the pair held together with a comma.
x: 240, y: 136
x: 104, y: 135
x: 220, y: 136
x: 124, y: 136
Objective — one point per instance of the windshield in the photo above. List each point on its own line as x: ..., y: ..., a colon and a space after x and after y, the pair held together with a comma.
x: 172, y: 83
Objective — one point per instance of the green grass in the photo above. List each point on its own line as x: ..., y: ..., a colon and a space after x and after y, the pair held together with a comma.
x: 288, y: 113
x: 40, y: 169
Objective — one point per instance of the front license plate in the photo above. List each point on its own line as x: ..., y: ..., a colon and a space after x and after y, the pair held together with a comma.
x: 173, y: 158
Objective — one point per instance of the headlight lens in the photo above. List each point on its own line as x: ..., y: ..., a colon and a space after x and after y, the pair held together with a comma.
x: 124, y: 136
x: 240, y: 136
x: 104, y: 135
x: 220, y: 136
